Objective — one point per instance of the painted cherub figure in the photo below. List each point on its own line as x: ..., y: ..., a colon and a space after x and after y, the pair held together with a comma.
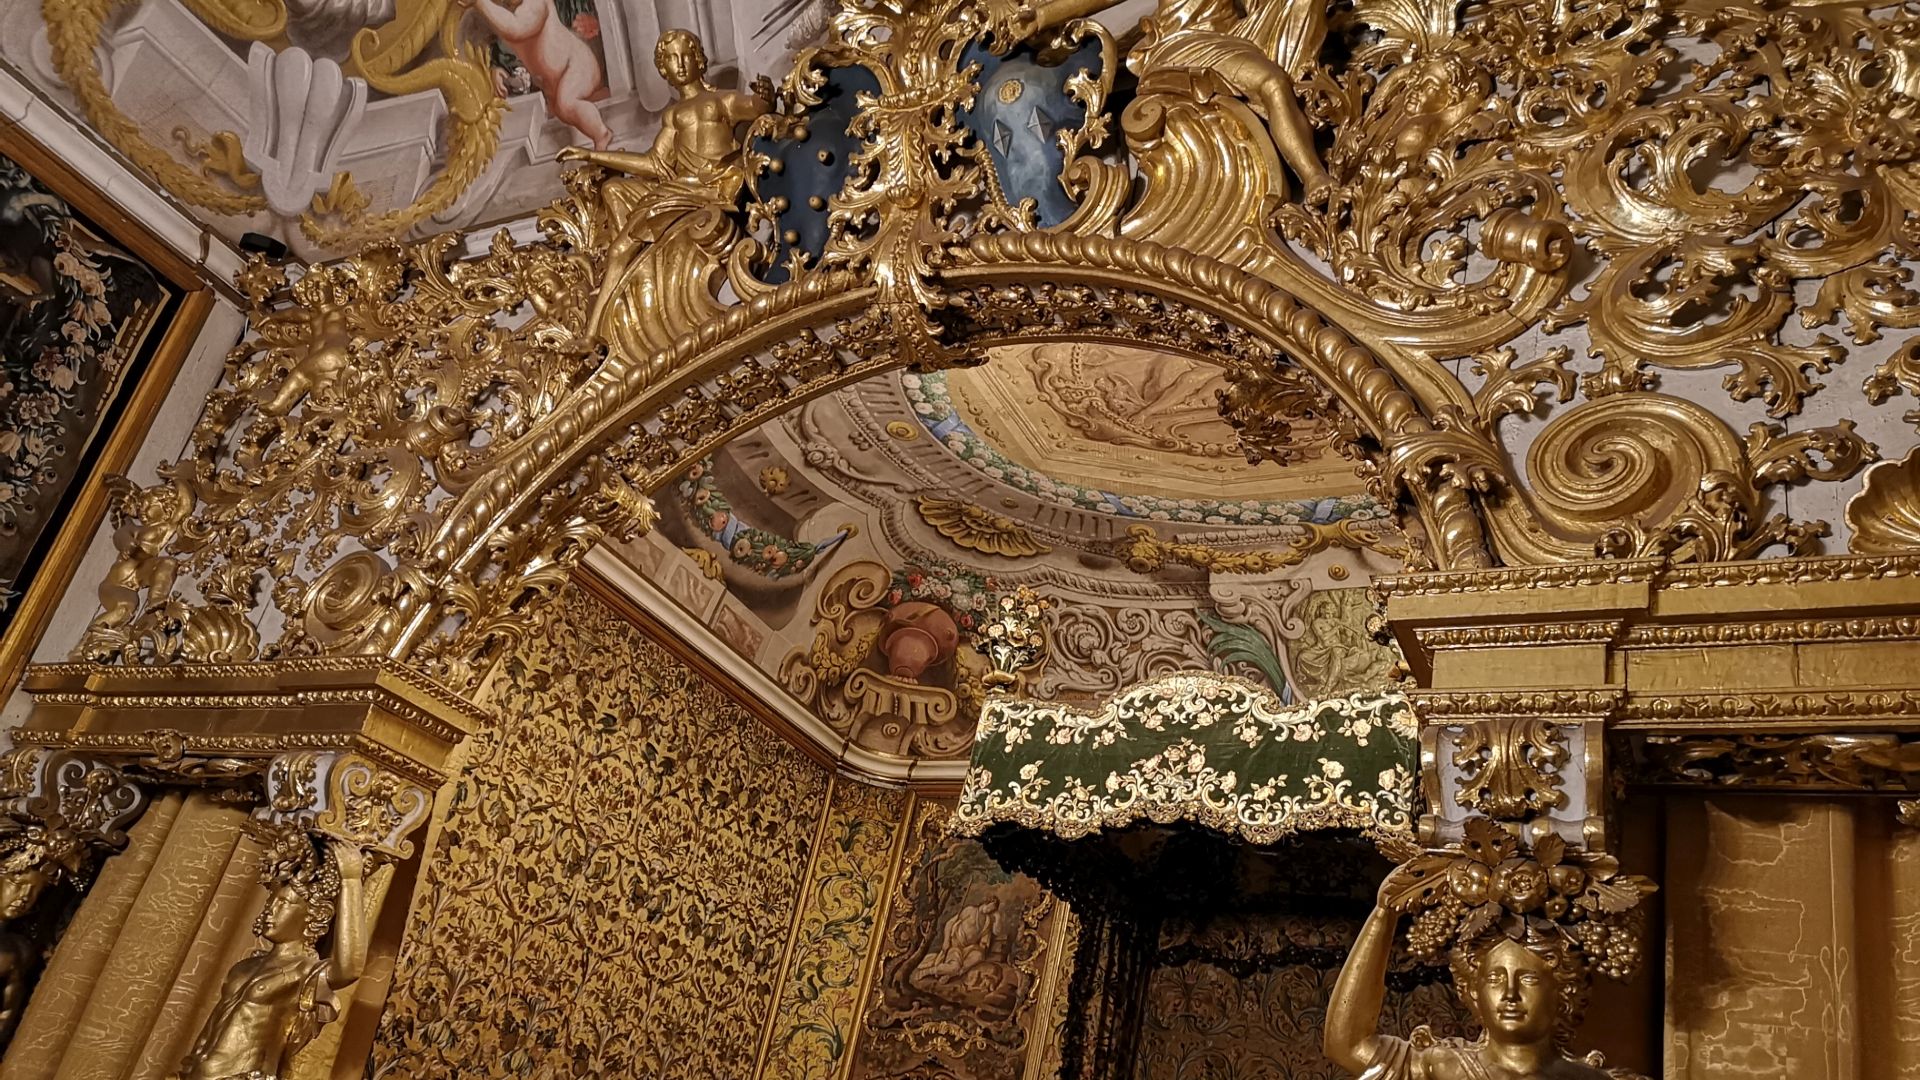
x: 1260, y: 56
x: 1527, y: 992
x: 563, y: 65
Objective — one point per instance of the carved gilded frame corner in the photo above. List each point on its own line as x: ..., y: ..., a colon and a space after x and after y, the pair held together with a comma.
x: 138, y: 403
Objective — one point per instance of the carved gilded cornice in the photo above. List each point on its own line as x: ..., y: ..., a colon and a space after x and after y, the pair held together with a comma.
x: 1503, y: 579
x: 1440, y: 706
x: 1830, y: 762
x: 179, y: 720
x: 1772, y: 632
x: 1470, y: 637
x: 1771, y: 709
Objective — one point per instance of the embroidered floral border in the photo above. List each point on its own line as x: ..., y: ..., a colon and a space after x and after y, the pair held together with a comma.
x: 1209, y: 749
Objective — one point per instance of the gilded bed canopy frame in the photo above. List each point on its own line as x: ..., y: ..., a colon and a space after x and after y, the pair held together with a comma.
x: 1366, y: 219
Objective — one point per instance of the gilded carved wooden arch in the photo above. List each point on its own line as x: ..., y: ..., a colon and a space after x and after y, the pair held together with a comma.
x: 758, y: 359
x: 418, y: 442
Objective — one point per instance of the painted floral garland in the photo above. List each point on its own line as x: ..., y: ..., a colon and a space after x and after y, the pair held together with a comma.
x: 765, y: 553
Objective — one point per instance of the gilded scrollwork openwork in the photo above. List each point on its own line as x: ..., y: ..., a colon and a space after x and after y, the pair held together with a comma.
x: 1359, y: 219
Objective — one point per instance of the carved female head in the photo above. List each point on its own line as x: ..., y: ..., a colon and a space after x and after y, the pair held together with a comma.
x: 1522, y: 990
x: 303, y: 885
x: 20, y: 888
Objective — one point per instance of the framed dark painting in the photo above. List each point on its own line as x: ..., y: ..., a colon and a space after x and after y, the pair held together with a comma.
x: 96, y: 315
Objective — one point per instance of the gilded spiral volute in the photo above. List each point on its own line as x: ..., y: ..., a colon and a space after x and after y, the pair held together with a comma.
x: 1636, y: 458
x: 345, y: 601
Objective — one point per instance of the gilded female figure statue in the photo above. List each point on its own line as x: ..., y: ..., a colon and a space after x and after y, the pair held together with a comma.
x: 27, y: 868
x: 693, y: 165
x: 1258, y: 55
x: 274, y: 1001
x: 1524, y: 993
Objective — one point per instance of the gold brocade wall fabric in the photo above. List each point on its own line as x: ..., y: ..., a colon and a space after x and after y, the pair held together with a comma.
x: 1798, y: 955
x: 616, y: 881
x: 812, y: 1027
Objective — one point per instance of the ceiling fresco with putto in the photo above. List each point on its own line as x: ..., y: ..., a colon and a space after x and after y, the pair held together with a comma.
x: 850, y: 549
x: 334, y: 123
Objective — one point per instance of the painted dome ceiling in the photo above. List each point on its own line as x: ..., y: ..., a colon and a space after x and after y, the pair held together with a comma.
x: 847, y: 551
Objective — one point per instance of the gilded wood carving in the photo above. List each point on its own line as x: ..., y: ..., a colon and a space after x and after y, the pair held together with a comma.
x: 1466, y: 192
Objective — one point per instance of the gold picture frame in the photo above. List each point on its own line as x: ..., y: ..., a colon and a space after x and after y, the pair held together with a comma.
x: 130, y: 408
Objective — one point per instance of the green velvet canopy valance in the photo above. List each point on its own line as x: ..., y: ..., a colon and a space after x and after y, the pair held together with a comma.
x: 1196, y: 748
x: 1187, y: 799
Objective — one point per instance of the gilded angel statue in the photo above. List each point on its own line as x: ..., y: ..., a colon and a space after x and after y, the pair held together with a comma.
x: 1259, y: 55
x: 660, y: 209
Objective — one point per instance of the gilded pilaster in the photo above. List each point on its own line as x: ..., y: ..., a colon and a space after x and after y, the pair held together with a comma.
x: 305, y: 777
x: 1701, y: 683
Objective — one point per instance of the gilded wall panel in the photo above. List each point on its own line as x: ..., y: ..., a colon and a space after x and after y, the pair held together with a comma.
x: 616, y: 878
x: 1795, y: 960
x: 961, y: 968
x: 812, y: 1027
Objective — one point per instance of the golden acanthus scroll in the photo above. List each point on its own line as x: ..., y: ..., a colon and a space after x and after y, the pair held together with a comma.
x: 497, y: 416
x: 412, y: 451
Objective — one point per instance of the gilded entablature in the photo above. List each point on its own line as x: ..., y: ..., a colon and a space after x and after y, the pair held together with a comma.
x: 1431, y: 236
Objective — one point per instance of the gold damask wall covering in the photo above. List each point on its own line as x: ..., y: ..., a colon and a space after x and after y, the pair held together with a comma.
x: 617, y: 877
x: 1798, y: 953
x: 636, y: 878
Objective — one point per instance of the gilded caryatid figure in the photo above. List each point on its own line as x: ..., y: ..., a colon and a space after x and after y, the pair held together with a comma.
x: 1523, y: 932
x: 276, y: 1000
x: 1259, y: 56
x: 671, y: 213
x: 30, y: 862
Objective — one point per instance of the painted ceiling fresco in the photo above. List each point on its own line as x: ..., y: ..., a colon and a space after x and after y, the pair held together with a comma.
x: 849, y: 549
x: 329, y: 123
x: 332, y: 123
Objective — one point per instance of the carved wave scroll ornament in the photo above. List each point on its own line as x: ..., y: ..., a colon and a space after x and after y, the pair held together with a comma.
x: 412, y: 450
x: 1213, y: 750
